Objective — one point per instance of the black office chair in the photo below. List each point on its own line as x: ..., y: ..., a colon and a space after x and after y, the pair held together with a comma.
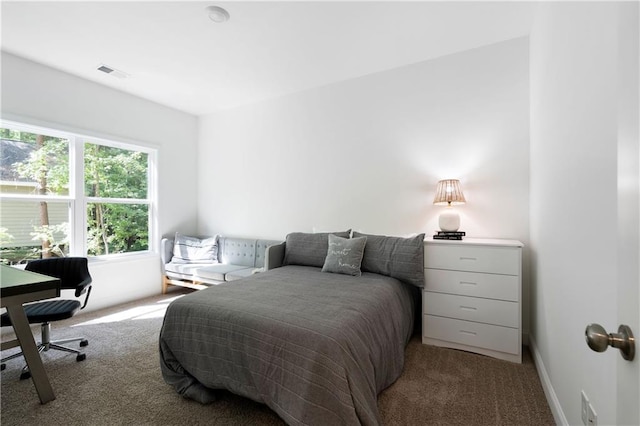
x: 73, y: 273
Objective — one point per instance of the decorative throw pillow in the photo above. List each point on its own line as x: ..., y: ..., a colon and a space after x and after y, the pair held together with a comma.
x: 308, y: 249
x: 400, y: 258
x: 195, y: 250
x: 344, y: 255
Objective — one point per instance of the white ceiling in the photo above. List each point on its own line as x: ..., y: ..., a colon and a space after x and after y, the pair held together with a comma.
x: 177, y: 57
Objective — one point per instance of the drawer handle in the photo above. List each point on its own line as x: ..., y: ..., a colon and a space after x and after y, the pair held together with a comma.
x: 467, y: 258
x: 471, y: 333
x: 467, y: 283
x: 468, y: 308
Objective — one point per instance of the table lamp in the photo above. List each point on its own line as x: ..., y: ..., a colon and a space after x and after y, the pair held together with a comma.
x: 449, y: 193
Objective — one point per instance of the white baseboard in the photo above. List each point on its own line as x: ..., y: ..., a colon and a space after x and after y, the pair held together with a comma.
x: 552, y: 398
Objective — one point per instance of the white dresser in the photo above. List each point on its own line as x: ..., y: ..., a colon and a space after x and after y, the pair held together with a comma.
x: 472, y: 296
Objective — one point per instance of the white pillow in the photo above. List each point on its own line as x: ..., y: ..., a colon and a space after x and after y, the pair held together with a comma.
x: 195, y: 250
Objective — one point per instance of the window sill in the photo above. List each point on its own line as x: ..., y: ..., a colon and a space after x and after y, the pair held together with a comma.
x: 122, y: 257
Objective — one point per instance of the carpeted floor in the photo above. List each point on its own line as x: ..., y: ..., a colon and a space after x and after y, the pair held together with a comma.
x: 120, y: 383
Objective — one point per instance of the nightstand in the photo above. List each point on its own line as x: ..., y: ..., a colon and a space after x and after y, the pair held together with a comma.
x: 472, y: 296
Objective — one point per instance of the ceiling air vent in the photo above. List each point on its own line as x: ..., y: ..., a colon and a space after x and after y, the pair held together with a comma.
x: 112, y: 71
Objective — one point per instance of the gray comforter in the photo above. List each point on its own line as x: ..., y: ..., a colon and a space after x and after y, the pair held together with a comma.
x: 316, y: 347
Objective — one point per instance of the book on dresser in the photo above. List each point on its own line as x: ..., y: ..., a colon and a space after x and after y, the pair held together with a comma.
x: 449, y: 235
x: 472, y: 299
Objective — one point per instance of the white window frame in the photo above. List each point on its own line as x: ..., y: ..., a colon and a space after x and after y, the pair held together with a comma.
x: 77, y: 199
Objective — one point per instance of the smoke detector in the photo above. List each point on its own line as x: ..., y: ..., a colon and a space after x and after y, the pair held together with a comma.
x: 112, y: 71
x: 217, y: 14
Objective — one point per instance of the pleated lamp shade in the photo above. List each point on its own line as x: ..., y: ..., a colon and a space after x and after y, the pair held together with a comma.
x: 449, y: 193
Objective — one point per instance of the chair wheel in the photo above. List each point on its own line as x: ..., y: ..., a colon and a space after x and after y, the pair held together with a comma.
x: 81, y: 357
x: 84, y: 343
x: 25, y: 375
x: 3, y: 367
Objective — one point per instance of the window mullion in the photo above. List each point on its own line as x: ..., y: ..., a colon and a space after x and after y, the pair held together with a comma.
x: 152, y: 195
x: 79, y: 204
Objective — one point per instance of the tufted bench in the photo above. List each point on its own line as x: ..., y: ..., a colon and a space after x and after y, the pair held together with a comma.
x: 237, y: 257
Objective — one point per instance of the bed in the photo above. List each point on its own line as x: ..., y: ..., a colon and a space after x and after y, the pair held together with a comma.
x: 316, y: 347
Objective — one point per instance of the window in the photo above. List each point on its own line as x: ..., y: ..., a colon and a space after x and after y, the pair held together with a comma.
x: 66, y: 194
x: 115, y: 186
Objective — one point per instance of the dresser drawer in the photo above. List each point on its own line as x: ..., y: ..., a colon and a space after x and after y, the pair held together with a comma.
x: 473, y: 258
x: 488, y: 311
x: 492, y: 286
x: 492, y: 337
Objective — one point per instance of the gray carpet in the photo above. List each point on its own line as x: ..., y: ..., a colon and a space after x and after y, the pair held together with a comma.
x: 120, y: 383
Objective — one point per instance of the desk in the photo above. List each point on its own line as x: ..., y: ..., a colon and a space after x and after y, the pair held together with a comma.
x: 18, y: 287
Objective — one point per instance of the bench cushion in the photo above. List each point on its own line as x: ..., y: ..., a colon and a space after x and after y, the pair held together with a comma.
x: 185, y: 268
x: 242, y: 273
x: 217, y: 272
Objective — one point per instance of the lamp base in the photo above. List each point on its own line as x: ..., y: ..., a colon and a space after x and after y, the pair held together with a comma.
x: 449, y: 221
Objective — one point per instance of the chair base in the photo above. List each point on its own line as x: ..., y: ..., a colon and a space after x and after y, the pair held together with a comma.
x: 47, y: 345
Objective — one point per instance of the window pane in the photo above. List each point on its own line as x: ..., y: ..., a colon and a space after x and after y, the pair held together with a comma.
x: 117, y: 228
x: 114, y: 172
x: 33, y: 163
x: 31, y: 230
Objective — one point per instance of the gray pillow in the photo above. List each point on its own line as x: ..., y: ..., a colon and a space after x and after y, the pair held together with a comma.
x: 195, y: 250
x: 308, y: 249
x: 400, y: 258
x: 344, y: 255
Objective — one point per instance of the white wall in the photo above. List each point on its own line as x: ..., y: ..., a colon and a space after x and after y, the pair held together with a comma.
x: 367, y: 153
x: 574, y: 130
x: 36, y: 94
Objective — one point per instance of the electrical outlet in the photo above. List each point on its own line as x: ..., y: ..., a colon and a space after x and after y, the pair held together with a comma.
x: 585, y: 408
x: 592, y: 416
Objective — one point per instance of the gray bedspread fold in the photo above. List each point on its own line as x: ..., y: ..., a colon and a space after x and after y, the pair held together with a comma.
x: 316, y: 347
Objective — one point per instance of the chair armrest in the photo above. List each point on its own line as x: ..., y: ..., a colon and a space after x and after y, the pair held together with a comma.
x: 166, y: 250
x: 274, y: 256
